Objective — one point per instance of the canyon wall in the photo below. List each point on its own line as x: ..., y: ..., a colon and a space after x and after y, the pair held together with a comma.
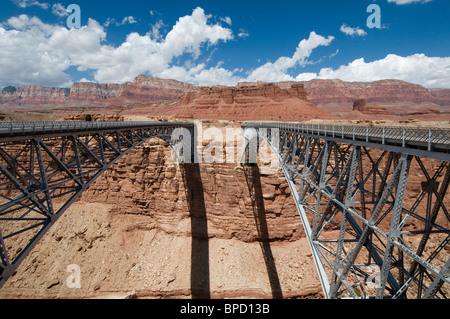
x: 85, y: 91
x: 33, y: 95
x: 378, y: 92
x: 146, y: 89
x: 143, y: 88
x: 231, y: 95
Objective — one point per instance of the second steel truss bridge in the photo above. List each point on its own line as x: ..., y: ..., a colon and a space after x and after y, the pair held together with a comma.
x: 373, y: 204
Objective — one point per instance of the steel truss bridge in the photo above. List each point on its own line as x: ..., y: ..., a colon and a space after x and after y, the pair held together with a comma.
x: 369, y: 237
x: 45, y: 167
x: 351, y: 185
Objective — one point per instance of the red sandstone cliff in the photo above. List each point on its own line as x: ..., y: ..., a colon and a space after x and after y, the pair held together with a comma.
x: 137, y: 232
x: 240, y: 102
x: 398, y: 97
x: 33, y: 95
x: 142, y: 89
x: 250, y: 102
x: 238, y: 94
x: 441, y: 96
x: 142, y: 227
x: 145, y: 88
x: 85, y: 91
x: 379, y: 92
x: 361, y: 106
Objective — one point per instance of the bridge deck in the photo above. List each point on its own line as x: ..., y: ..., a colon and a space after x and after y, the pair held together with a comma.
x: 10, y: 131
x: 433, y: 143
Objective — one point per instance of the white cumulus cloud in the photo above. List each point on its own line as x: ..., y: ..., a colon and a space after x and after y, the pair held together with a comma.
x: 201, y: 75
x: 147, y: 54
x: 352, y: 31
x: 59, y: 10
x: 401, y: 2
x: 129, y: 20
x: 227, y: 20
x: 35, y: 52
x: 29, y: 3
x: 430, y: 72
x: 277, y: 71
x: 27, y: 57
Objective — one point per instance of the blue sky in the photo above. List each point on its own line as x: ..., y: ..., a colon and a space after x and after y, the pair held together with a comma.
x: 214, y: 42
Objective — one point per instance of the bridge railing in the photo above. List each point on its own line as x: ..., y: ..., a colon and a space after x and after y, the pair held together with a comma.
x: 428, y: 138
x: 21, y: 128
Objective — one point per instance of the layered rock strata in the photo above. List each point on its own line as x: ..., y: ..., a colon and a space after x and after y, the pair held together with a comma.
x: 378, y: 92
x: 145, y: 95
x: 361, y: 106
x: 33, y: 95
x: 85, y: 91
x: 143, y: 88
x: 251, y: 102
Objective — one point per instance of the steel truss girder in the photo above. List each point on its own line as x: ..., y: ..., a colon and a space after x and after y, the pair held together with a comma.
x: 368, y: 236
x: 42, y: 174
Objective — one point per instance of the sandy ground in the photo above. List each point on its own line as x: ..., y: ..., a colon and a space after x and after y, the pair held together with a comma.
x: 121, y: 256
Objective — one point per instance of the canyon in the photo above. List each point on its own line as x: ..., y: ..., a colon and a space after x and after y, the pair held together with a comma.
x: 151, y: 228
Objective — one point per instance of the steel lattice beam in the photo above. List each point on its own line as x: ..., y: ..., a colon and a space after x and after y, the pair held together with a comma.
x: 368, y: 236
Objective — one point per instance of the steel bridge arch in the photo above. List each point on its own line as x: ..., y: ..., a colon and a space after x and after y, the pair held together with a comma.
x: 329, y: 182
x: 45, y: 167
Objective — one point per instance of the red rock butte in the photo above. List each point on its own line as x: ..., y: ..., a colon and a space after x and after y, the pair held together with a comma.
x: 254, y: 102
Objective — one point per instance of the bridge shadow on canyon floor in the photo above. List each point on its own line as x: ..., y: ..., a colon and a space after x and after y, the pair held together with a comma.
x: 253, y: 179
x: 200, y: 274
x: 200, y: 267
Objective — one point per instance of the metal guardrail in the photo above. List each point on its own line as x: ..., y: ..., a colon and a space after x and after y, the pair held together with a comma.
x: 402, y: 136
x: 23, y: 128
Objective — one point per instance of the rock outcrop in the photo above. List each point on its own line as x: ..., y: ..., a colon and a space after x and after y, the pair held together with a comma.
x: 361, y: 106
x: 225, y: 231
x: 34, y: 94
x: 378, y: 92
x: 145, y: 88
x: 85, y: 91
x: 441, y: 96
x: 94, y: 118
x: 230, y: 95
x: 142, y: 89
x: 247, y: 102
x: 145, y: 186
x: 143, y: 227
